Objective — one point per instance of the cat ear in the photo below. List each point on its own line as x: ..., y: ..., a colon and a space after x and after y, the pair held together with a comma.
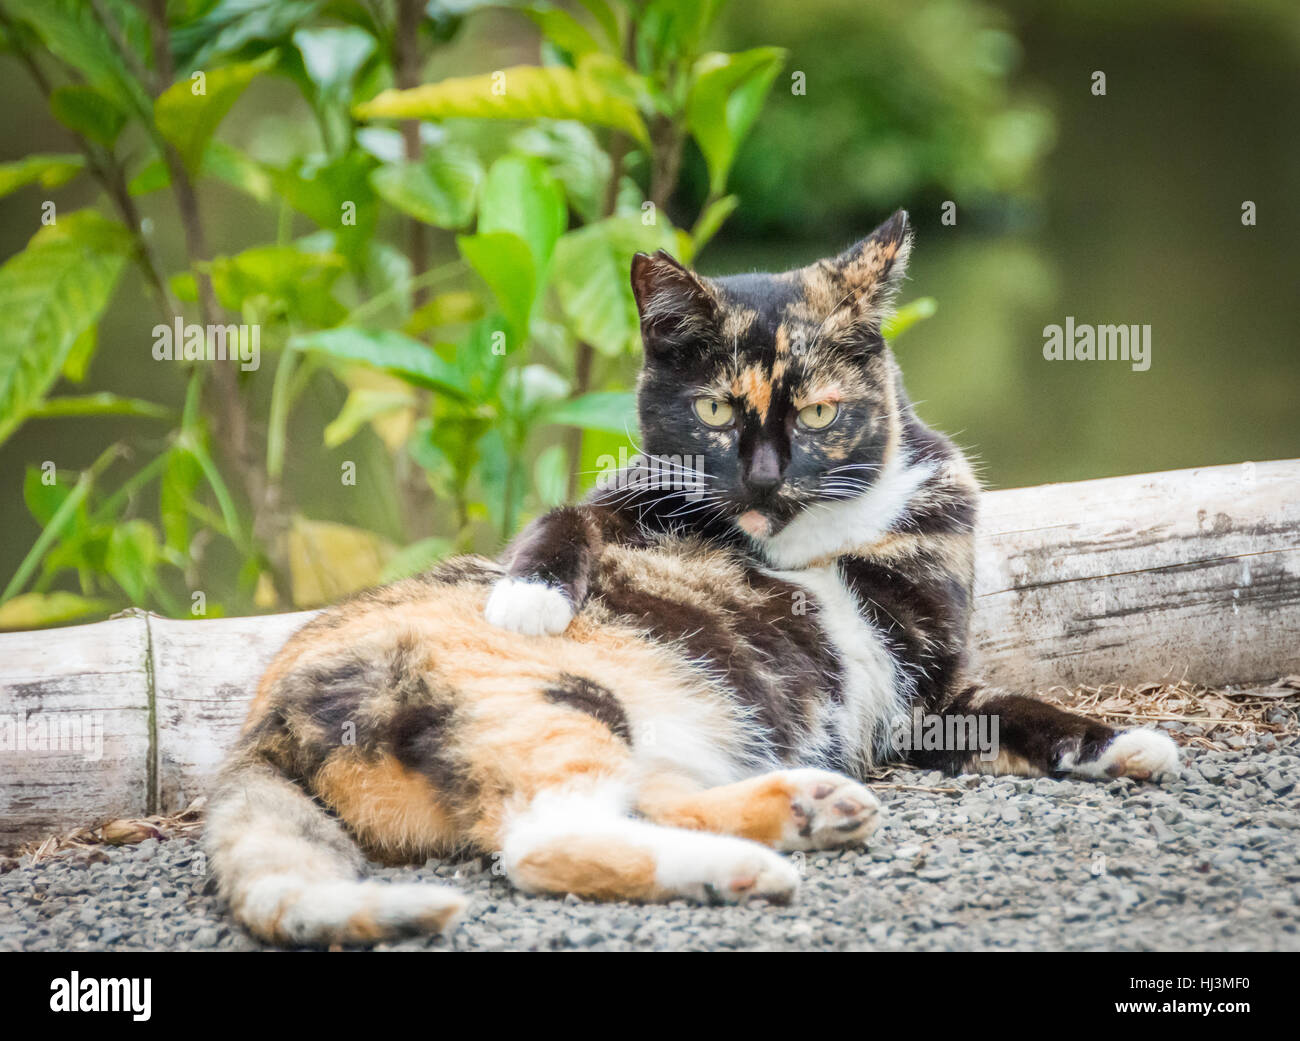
x: 869, y: 273
x: 676, y: 305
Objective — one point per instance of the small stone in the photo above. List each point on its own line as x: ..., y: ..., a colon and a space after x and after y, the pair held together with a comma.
x: 1278, y: 784
x: 1210, y: 771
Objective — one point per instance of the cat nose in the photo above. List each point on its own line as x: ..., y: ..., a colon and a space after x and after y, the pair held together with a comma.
x: 764, y: 468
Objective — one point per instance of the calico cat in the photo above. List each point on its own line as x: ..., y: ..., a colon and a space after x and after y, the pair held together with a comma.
x: 661, y: 688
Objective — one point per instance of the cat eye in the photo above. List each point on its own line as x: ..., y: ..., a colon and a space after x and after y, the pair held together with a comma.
x: 715, y: 413
x: 819, y: 416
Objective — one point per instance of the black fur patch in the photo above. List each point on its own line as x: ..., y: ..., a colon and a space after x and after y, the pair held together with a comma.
x: 558, y: 550
x: 777, y: 663
x: 418, y: 736
x: 593, y: 699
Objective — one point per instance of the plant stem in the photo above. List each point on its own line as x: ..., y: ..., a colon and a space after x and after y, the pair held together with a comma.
x: 586, y: 356
x: 225, y: 399
x: 381, y: 300
x: 278, y: 420
x: 406, y: 69
x: 416, y: 495
x: 59, y: 521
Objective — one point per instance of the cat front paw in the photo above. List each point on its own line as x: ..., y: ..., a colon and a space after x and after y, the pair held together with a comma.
x: 1142, y: 754
x: 528, y: 608
x: 827, y: 810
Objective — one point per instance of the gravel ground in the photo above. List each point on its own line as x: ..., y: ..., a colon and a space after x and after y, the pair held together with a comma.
x: 1211, y: 862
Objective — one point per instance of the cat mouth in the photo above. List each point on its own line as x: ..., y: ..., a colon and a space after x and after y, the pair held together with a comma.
x: 766, y: 520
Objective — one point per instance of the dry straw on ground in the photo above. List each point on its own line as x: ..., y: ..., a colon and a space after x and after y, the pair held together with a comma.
x: 1210, y: 718
x: 120, y: 832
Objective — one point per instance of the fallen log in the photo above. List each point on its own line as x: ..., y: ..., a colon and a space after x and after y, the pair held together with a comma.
x: 1189, y: 574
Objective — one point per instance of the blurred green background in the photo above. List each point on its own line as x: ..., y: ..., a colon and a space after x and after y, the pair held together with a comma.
x: 1116, y: 209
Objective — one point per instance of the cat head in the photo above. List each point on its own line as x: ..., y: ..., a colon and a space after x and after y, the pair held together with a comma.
x: 779, y: 387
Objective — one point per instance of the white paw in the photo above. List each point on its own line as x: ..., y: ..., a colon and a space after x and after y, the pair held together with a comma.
x: 528, y: 608
x: 721, y: 869
x: 1144, y: 754
x: 828, y: 810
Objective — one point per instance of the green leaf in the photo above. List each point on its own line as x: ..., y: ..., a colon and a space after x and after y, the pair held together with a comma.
x: 88, y: 112
x: 229, y: 164
x: 417, y: 557
x: 496, y: 479
x: 188, y: 120
x: 43, y: 500
x: 323, y: 191
x: 591, y: 279
x: 504, y: 261
x: 220, y: 160
x: 521, y: 92
x: 329, y: 560
x: 178, y: 488
x: 132, y: 557
x: 101, y: 404
x: 613, y: 411
x: 280, y: 280
x: 907, y: 316
x: 36, y: 610
x: 711, y: 220
x: 50, y: 294
x: 452, y: 308
x: 50, y: 171
x: 238, y: 27
x: 480, y: 357
x: 531, y: 387
x: 77, y: 363
x: 88, y: 230
x: 606, y: 18
x: 71, y: 31
x: 521, y: 196
x: 551, y: 476
x: 574, y: 157
x: 563, y: 30
x: 391, y: 351
x: 725, y: 98
x: 362, y: 405
x: 440, y: 190
x: 333, y: 56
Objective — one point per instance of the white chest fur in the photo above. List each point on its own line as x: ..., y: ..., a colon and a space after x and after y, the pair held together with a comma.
x: 874, y: 696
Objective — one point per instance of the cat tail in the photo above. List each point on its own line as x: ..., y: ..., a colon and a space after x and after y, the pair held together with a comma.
x: 291, y: 873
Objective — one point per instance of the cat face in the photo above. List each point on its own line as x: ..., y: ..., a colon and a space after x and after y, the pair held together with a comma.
x: 779, y: 388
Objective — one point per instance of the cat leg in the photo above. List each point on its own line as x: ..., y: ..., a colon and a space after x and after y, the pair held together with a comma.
x: 1012, y: 734
x: 292, y: 875
x: 550, y: 565
x: 583, y: 843
x: 801, y: 809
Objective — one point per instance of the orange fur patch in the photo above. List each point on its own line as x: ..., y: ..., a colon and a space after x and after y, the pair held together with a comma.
x: 392, y: 809
x: 757, y: 809
x: 593, y: 868
x: 754, y: 386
